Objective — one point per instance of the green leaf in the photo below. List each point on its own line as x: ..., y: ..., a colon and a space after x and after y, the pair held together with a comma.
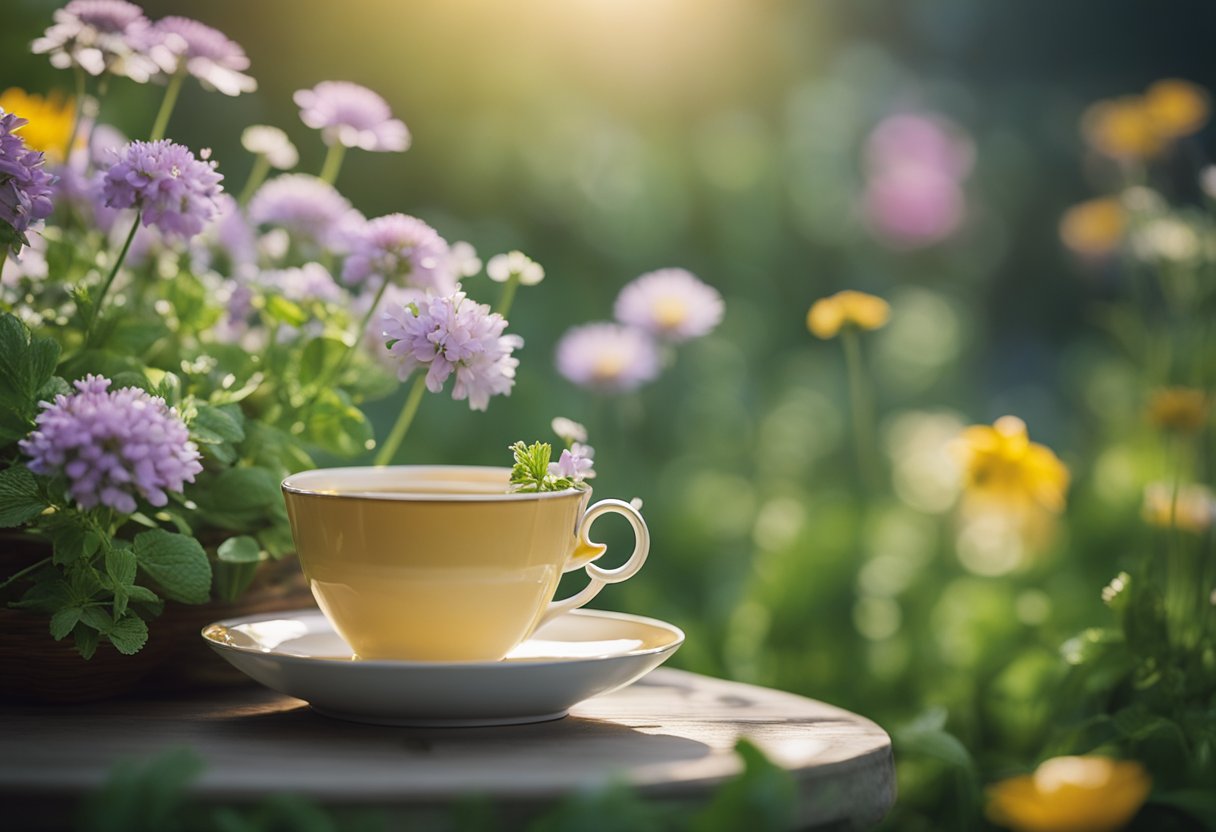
x: 97, y: 618
x: 141, y: 593
x: 120, y: 565
x: 241, y: 549
x: 43, y: 356
x: 129, y: 634
x: 177, y: 562
x: 245, y: 489
x: 214, y: 425
x: 86, y: 639
x: 284, y: 311
x: 64, y: 621
x: 19, y: 497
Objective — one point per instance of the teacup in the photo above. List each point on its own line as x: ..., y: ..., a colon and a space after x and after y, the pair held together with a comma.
x: 444, y: 563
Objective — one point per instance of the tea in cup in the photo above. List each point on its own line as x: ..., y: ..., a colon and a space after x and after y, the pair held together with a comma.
x: 444, y: 563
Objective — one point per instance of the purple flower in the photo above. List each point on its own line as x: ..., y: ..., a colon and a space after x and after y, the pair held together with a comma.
x: 112, y: 446
x: 25, y: 187
x: 912, y: 207
x: 915, y: 165
x: 101, y: 36
x: 453, y: 335
x: 352, y: 115
x: 310, y: 282
x: 922, y: 141
x: 230, y: 236
x: 174, y: 191
x: 672, y: 304
x: 310, y: 209
x: 394, y: 297
x: 608, y: 358
x: 209, y: 55
x: 575, y: 463
x: 399, y: 249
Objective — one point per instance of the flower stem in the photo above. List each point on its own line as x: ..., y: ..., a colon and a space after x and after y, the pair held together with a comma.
x: 863, y: 418
x: 389, y: 449
x: 167, y: 104
x: 257, y: 175
x: 103, y: 86
x: 16, y: 576
x: 508, y: 295
x: 80, y: 99
x: 95, y: 311
x: 333, y: 162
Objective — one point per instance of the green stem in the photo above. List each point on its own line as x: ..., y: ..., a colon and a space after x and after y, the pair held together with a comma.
x: 80, y: 99
x: 3, y: 259
x: 167, y: 104
x: 508, y: 295
x: 103, y: 86
x: 389, y: 449
x: 863, y: 418
x: 27, y: 570
x: 333, y: 162
x: 95, y: 311
x: 257, y: 175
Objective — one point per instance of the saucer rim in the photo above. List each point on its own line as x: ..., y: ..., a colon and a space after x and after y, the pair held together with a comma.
x: 678, y: 638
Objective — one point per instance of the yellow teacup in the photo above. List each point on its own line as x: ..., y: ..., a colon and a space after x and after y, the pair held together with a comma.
x: 442, y: 563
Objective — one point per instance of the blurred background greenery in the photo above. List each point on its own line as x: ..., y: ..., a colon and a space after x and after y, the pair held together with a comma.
x: 606, y: 138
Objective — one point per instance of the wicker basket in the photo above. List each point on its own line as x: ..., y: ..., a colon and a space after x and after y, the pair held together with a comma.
x: 36, y: 668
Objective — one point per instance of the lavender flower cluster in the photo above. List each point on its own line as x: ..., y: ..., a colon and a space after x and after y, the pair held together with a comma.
x: 112, y: 446
x: 453, y: 335
x: 172, y: 190
x: 668, y: 306
x: 25, y: 186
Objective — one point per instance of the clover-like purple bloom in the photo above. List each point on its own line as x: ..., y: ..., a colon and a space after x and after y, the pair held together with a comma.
x: 25, y: 186
x: 399, y: 249
x: 101, y: 36
x: 453, y: 335
x: 308, y: 208
x: 209, y: 55
x: 310, y: 282
x: 352, y: 115
x: 112, y: 446
x: 672, y: 304
x: 607, y: 357
x: 175, y: 192
x: 576, y: 463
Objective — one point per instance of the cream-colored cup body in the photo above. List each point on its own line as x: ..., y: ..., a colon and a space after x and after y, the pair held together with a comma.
x: 441, y: 563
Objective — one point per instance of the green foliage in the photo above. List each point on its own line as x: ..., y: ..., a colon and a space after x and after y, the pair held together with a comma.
x: 530, y: 473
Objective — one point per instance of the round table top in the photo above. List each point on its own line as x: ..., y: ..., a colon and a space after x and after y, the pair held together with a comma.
x: 670, y: 735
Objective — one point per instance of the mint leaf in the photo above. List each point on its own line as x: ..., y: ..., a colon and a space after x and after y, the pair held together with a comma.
x: 176, y: 562
x: 120, y: 565
x: 241, y: 549
x: 64, y: 621
x: 97, y: 618
x: 86, y: 640
x: 19, y: 497
x: 213, y: 425
x: 129, y: 634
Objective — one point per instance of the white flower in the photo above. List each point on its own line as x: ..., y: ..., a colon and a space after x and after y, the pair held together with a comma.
x: 568, y: 430
x: 502, y: 267
x: 463, y: 260
x: 271, y: 142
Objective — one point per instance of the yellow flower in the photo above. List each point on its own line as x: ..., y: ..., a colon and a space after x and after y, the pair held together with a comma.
x: 1181, y: 409
x: 1093, y: 228
x: 1071, y: 794
x: 1122, y: 128
x: 1002, y: 465
x: 1193, y: 510
x: 50, y: 119
x: 848, y: 308
x: 1177, y: 108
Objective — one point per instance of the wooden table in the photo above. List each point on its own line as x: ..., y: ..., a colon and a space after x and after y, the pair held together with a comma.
x: 670, y: 735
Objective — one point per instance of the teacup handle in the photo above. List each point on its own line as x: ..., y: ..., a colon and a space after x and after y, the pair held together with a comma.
x: 599, y: 576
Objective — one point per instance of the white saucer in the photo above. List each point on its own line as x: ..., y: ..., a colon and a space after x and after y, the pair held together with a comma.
x: 574, y: 657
